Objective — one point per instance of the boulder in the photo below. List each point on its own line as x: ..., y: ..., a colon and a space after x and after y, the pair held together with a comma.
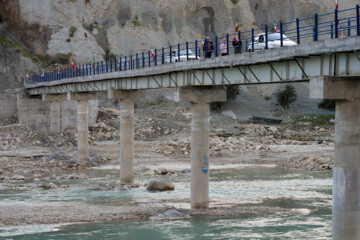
x: 160, y: 185
x: 163, y: 171
x: 109, y: 112
x: 17, y: 177
x: 273, y: 129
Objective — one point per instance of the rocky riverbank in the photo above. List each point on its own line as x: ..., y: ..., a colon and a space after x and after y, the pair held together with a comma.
x: 31, y: 161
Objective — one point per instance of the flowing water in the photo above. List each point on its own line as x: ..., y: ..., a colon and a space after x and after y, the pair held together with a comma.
x: 307, y: 196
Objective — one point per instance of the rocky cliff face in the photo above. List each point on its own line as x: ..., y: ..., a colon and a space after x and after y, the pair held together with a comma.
x: 80, y: 29
x: 13, y: 67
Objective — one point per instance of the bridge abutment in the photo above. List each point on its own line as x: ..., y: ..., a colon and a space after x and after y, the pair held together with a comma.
x: 126, y: 98
x: 55, y: 110
x: 200, y: 99
x: 346, y: 170
x: 83, y: 125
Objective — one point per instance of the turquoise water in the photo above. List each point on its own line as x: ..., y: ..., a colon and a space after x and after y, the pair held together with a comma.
x: 306, y: 195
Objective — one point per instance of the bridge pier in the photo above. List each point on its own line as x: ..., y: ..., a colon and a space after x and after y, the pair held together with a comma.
x: 200, y: 99
x: 126, y: 98
x: 346, y: 171
x: 83, y: 126
x: 55, y: 113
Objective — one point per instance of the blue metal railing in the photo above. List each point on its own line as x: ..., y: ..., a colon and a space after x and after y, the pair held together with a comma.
x: 335, y: 24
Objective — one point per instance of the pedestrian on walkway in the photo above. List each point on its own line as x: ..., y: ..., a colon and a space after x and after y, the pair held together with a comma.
x: 223, y: 48
x: 208, y: 47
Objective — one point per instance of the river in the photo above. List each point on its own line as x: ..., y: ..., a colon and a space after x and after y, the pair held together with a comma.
x: 306, y: 196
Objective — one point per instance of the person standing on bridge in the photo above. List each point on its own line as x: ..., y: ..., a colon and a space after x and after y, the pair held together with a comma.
x: 153, y: 55
x: 237, y: 45
x: 208, y: 47
x: 223, y: 48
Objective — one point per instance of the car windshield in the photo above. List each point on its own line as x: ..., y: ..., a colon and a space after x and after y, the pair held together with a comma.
x: 276, y: 36
x: 183, y: 52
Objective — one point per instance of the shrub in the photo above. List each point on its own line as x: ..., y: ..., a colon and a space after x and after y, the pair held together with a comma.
x: 287, y: 96
x: 108, y: 55
x: 328, y: 104
x: 235, y: 1
x: 232, y: 91
x: 72, y: 31
x: 63, y: 58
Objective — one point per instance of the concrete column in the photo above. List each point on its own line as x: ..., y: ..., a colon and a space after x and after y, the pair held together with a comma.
x: 200, y: 97
x: 54, y: 117
x: 126, y: 131
x: 83, y: 136
x: 346, y: 170
x: 83, y: 125
x: 200, y: 127
x: 126, y: 141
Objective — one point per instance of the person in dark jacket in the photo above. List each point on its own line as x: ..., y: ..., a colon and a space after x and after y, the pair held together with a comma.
x: 209, y: 45
x: 237, y: 45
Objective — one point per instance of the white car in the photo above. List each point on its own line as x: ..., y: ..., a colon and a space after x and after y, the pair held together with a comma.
x: 183, y: 57
x: 273, y: 41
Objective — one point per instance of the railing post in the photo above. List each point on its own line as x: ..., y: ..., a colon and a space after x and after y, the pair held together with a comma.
x: 120, y: 64
x: 252, y: 39
x: 205, y: 47
x: 196, y: 49
x: 98, y: 68
x: 163, y: 56
x: 102, y: 66
x: 332, y: 31
x: 349, y: 28
x: 110, y: 64
x: 316, y: 28
x: 170, y: 49
x: 149, y: 58
x: 155, y: 57
x: 298, y: 30
x: 131, y: 62
x: 216, y: 46
x: 143, y: 59
x: 86, y: 70
x: 137, y: 60
x: 115, y: 64
x: 358, y: 19
x: 227, y: 44
x: 266, y: 37
x: 246, y: 45
x: 179, y: 52
x: 187, y: 50
x: 281, y: 35
x: 125, y: 67
x: 107, y: 65
x: 336, y: 23
x: 240, y: 42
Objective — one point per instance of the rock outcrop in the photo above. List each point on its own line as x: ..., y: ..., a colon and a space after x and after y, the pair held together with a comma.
x: 81, y: 29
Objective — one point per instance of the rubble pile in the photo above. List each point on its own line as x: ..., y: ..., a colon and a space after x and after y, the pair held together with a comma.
x: 102, y: 132
x: 150, y: 132
x: 312, y: 163
x: 220, y: 146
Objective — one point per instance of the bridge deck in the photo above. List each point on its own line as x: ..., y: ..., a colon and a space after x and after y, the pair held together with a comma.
x: 333, y: 57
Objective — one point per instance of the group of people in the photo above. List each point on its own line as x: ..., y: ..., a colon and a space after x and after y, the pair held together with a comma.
x: 208, y: 47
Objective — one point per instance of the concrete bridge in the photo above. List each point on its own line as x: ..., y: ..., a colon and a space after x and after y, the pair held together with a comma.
x: 331, y: 66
